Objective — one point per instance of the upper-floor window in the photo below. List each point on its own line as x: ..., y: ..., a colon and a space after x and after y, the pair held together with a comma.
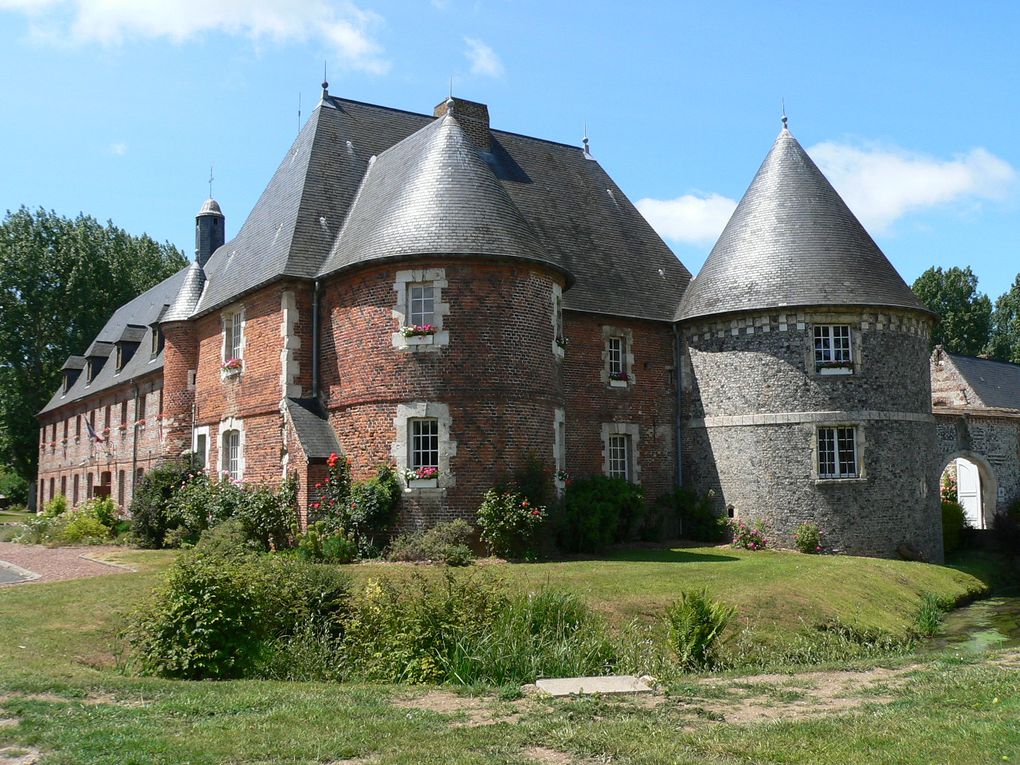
x: 231, y: 456
x: 233, y: 335
x: 157, y: 340
x: 615, y: 351
x: 89, y: 371
x: 424, y: 444
x: 119, y: 358
x: 421, y: 304
x: 837, y: 452
x: 833, y: 350
x: 620, y: 456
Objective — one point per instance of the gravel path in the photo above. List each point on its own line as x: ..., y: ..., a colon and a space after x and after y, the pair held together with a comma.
x: 53, y: 564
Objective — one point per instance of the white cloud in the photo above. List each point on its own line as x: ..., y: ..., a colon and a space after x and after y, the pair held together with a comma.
x: 692, y: 219
x: 883, y: 183
x: 342, y: 26
x: 484, y: 60
x: 118, y: 148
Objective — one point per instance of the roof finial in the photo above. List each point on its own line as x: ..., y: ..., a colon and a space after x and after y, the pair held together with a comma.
x: 451, y: 86
x: 325, y: 83
x: 299, y: 111
x: 211, y: 179
x: 784, y: 118
x: 584, y: 140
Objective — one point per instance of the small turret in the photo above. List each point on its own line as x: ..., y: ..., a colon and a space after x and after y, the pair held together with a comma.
x: 209, y: 231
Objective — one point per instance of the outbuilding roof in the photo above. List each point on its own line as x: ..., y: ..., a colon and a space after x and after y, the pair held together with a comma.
x: 792, y: 241
x: 996, y: 383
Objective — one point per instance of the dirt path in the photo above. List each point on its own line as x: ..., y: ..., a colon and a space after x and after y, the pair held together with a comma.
x: 53, y: 564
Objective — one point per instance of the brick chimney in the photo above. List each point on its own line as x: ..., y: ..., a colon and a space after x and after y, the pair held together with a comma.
x: 473, y: 118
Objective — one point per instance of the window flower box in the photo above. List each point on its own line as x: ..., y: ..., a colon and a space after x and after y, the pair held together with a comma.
x: 419, y: 339
x: 423, y: 483
x: 618, y: 379
x: 419, y: 330
x: 562, y: 342
x: 232, y: 367
x: 834, y: 367
x: 422, y: 477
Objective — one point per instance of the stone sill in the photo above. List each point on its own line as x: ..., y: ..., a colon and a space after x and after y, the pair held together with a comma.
x: 423, y: 483
x: 230, y: 374
x: 835, y: 371
x: 618, y: 383
x: 839, y: 481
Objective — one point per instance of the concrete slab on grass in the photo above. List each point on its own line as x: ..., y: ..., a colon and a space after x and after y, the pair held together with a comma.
x: 569, y: 686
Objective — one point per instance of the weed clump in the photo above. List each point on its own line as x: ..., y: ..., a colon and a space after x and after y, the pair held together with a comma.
x: 694, y: 624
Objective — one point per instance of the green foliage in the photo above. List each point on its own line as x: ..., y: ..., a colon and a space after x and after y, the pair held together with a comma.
x: 325, y: 543
x: 1004, y: 343
x: 748, y: 537
x: 227, y: 539
x: 954, y: 520
x: 60, y: 281
x: 949, y: 489
x: 81, y: 526
x: 808, y: 538
x: 373, y: 507
x: 533, y: 481
x: 964, y: 314
x: 693, y: 626
x: 697, y: 520
x: 510, y: 524
x: 334, y: 494
x: 463, y: 629
x: 445, y: 542
x: 597, y: 512
x: 149, y: 507
x: 213, y: 616
x: 929, y: 615
x: 56, y: 507
x: 13, y: 486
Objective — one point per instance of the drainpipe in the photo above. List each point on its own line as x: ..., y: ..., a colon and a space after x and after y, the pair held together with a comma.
x: 678, y: 366
x: 315, y: 341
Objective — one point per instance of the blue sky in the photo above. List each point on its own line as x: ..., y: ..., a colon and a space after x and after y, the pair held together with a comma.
x: 117, y: 107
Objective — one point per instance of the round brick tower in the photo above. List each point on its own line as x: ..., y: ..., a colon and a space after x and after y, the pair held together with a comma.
x: 806, y: 389
x: 439, y: 323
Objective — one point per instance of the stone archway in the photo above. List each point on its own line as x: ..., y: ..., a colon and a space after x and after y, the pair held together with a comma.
x: 988, y: 482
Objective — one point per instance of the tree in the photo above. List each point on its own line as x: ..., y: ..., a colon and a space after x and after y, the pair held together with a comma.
x: 60, y: 281
x: 1004, y: 343
x: 964, y: 314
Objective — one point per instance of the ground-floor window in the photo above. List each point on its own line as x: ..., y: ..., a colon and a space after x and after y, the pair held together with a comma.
x: 63, y: 485
x: 621, y: 450
x: 88, y: 486
x: 120, y: 488
x: 74, y: 491
x: 231, y: 454
x: 837, y: 452
x: 619, y: 457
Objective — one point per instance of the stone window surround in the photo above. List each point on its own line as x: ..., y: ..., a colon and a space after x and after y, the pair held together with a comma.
x: 231, y: 313
x: 628, y: 355
x: 290, y: 367
x: 401, y: 285
x: 400, y: 450
x: 859, y: 444
x: 232, y: 423
x: 557, y: 321
x: 631, y: 429
x: 202, y: 430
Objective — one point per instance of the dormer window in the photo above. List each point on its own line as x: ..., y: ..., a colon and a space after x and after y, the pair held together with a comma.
x: 119, y: 359
x: 89, y: 371
x: 833, y: 349
x: 157, y: 340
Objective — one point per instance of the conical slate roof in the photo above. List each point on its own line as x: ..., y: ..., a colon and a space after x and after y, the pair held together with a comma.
x: 432, y: 194
x: 187, y: 299
x: 792, y: 241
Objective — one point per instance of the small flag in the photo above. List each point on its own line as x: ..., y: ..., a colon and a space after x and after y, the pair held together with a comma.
x: 93, y: 436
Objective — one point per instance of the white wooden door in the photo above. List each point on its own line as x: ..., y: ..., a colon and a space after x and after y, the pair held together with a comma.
x: 968, y: 487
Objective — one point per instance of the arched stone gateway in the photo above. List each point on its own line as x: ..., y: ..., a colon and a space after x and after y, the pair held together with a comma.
x: 977, y: 485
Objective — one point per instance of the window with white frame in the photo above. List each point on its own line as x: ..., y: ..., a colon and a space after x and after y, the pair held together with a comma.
x: 233, y: 335
x: 231, y: 454
x: 832, y: 346
x: 615, y: 354
x: 837, y: 452
x: 421, y: 304
x: 424, y: 444
x: 619, y: 456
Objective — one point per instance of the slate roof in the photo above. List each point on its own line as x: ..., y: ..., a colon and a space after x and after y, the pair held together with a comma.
x: 312, y: 427
x: 792, y: 241
x: 188, y: 296
x: 432, y: 194
x: 140, y: 312
x: 579, y: 218
x: 996, y: 383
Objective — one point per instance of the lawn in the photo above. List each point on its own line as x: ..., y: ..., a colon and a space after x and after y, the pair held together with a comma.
x: 63, y: 685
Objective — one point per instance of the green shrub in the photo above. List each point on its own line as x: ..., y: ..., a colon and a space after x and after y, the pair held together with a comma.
x: 693, y: 626
x: 445, y: 542
x: 510, y: 524
x: 35, y: 531
x: 13, y: 486
x: 748, y: 536
x: 954, y: 520
x: 929, y: 615
x: 17, y: 507
x: 339, y: 548
x: 697, y: 520
x: 228, y: 539
x: 597, y: 512
x: 213, y: 617
x: 80, y: 526
x: 321, y: 542
x: 533, y: 481
x: 808, y: 538
x: 56, y: 507
x: 149, y: 518
x: 373, y: 508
